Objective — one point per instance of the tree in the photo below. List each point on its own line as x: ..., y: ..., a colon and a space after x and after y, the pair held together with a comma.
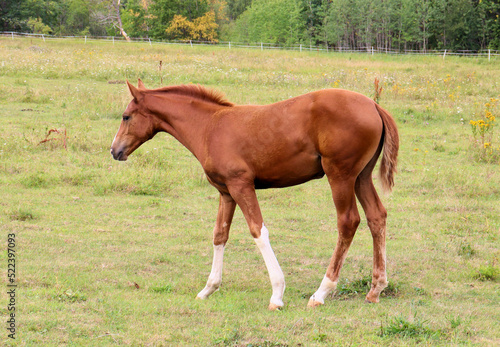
x: 180, y: 28
x: 108, y: 12
x: 313, y: 13
x: 202, y: 28
x: 162, y: 12
x: 488, y: 16
x: 12, y: 15
x: 78, y: 18
x: 236, y: 7
x: 134, y: 18
x: 271, y: 21
x: 36, y: 25
x: 205, y: 27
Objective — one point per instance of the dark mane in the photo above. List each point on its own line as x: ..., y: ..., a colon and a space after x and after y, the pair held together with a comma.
x: 196, y: 91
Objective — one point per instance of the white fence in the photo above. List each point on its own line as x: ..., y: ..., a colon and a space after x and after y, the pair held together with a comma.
x: 487, y: 53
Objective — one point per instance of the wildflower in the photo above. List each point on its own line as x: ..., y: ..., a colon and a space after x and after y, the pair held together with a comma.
x: 487, y: 145
x: 416, y: 149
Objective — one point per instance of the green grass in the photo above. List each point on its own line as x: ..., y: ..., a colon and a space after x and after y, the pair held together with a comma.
x: 112, y: 253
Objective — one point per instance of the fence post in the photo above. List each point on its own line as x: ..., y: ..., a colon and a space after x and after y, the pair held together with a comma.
x: 444, y: 54
x: 489, y: 54
x: 229, y: 44
x: 261, y: 46
x: 113, y: 40
x: 12, y: 35
x: 191, y: 43
x: 85, y: 38
x: 43, y: 37
x: 149, y: 41
x: 301, y: 47
x: 372, y: 50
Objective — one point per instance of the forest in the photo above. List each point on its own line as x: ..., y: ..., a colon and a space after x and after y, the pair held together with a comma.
x: 396, y: 25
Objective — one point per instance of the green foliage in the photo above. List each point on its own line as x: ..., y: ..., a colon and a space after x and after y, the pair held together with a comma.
x: 134, y: 18
x: 71, y: 296
x: 485, y: 142
x: 11, y: 15
x: 162, y: 290
x: 236, y: 7
x: 487, y: 273
x: 162, y: 12
x: 361, y: 286
x: 275, y: 21
x: 36, y: 25
x: 465, y: 250
x: 402, y: 327
x: 79, y: 19
x: 22, y: 215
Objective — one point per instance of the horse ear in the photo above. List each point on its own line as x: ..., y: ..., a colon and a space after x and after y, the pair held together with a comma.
x: 136, y: 93
x: 140, y: 84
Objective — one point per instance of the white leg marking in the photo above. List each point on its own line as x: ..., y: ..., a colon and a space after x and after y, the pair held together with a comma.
x: 215, y: 277
x: 325, y: 288
x: 273, y: 267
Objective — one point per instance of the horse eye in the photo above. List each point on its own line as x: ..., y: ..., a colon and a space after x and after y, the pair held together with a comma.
x: 126, y: 118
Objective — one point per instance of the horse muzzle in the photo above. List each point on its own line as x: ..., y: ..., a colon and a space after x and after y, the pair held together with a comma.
x: 118, y: 154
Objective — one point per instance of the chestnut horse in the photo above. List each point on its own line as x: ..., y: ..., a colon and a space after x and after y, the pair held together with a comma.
x: 242, y: 148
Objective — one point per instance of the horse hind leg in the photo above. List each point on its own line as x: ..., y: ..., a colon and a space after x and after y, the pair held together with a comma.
x: 221, y: 234
x: 347, y: 222
x: 376, y: 215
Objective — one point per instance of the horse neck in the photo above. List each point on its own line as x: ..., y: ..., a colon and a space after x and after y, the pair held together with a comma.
x: 187, y: 120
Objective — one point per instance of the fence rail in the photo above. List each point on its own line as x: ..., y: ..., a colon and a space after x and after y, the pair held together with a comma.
x: 488, y: 53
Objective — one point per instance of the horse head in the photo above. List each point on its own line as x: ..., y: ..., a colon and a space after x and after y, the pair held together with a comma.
x: 137, y: 125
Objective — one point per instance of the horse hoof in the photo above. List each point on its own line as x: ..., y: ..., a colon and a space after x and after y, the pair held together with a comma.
x: 314, y: 303
x: 274, y: 307
x: 371, y: 300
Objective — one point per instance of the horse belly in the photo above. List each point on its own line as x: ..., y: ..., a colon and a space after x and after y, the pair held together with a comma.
x: 289, y: 173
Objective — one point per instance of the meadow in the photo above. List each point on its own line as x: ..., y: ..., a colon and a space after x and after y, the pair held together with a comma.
x: 114, y: 253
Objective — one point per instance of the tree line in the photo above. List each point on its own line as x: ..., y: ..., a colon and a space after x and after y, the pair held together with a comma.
x: 353, y: 24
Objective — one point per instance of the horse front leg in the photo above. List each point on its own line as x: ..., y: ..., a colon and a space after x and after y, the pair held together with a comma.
x: 221, y: 235
x: 246, y: 199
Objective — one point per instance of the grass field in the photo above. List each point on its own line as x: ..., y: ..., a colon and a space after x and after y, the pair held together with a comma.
x: 114, y: 253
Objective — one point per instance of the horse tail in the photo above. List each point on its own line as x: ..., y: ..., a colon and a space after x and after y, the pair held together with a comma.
x: 390, y: 143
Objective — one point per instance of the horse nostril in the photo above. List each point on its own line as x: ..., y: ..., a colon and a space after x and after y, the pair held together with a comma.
x: 116, y: 155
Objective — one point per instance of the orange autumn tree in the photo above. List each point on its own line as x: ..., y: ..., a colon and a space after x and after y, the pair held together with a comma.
x: 203, y: 28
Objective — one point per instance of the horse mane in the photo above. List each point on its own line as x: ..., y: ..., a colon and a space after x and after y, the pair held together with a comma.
x: 196, y: 91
